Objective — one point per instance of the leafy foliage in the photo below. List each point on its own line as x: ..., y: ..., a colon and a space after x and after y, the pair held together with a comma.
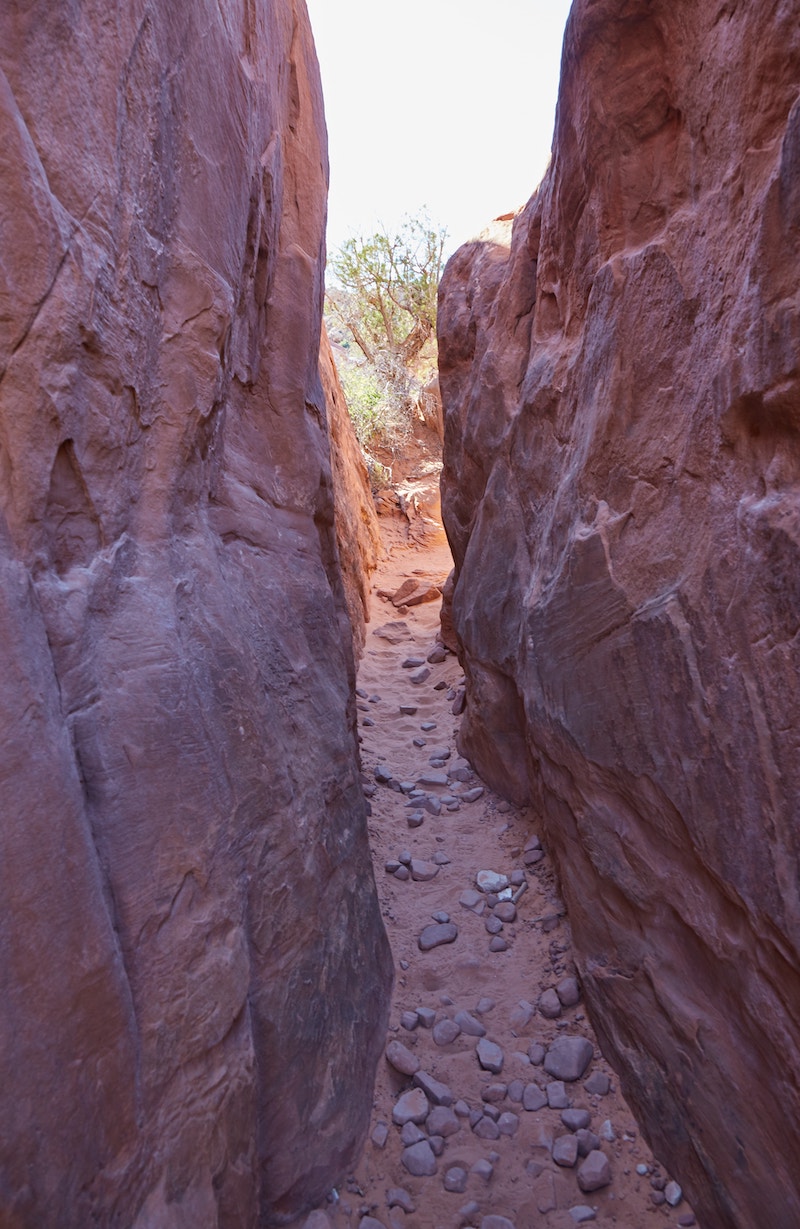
x: 383, y: 298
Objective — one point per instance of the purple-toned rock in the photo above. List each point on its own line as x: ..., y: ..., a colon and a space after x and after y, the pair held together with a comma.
x: 401, y: 1058
x: 436, y: 935
x: 565, y: 1151
x: 419, y: 1160
x: 595, y: 1172
x: 568, y: 1057
x: 412, y: 1106
x: 469, y: 1024
x: 490, y: 1056
x: 436, y: 1092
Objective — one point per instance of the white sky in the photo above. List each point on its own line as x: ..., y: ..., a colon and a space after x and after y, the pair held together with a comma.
x: 444, y: 104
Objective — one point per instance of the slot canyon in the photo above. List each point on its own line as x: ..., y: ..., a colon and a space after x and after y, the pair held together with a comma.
x: 246, y: 975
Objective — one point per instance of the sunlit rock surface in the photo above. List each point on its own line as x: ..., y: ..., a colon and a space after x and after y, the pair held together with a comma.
x: 192, y: 960
x: 622, y: 493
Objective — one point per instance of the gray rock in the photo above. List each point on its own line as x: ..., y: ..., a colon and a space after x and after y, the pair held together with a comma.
x: 498, y: 944
x: 472, y: 795
x: 461, y: 1108
x: 455, y: 1180
x: 433, y: 806
x: 576, y: 1119
x: 516, y: 1091
x: 420, y: 742
x: 318, y: 1220
x: 442, y: 1121
x: 484, y: 1005
x: 437, y: 1144
x: 536, y: 1053
x: 402, y: 873
x: 483, y: 1169
x: 557, y: 1097
x: 437, y: 655
x: 568, y: 1058
x: 445, y: 1032
x: 469, y: 1024
x: 581, y: 1214
x: 435, y: 1090
x: 490, y: 1056
x: 673, y: 1194
x: 506, y: 911
x: 411, y: 1134
x: 497, y: 1222
x: 595, y: 1172
x: 427, y: 726
x: 437, y: 934
x: 440, y: 858
x: 412, y: 663
x: 420, y: 676
x: 380, y: 1135
x: 550, y: 1005
x: 401, y: 1058
x: 522, y: 1014
x: 459, y: 703
x: 414, y: 820
x: 491, y: 881
x: 470, y: 898
x: 439, y: 753
x: 568, y: 992
x: 399, y: 1198
x: 493, y: 925
x: 423, y: 872
x: 431, y: 778
x: 486, y: 1128
x: 369, y: 1222
x: 426, y: 1016
x: 494, y: 1093
x: 598, y: 1084
x: 405, y: 856
x: 382, y: 775
x: 491, y: 1111
x: 412, y: 1106
x: 607, y: 1131
x: 565, y: 1151
x: 587, y: 1141
x: 533, y: 1098
x: 508, y: 1123
x: 419, y: 1160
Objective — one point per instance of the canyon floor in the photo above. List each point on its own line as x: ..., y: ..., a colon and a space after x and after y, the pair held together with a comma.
x: 486, y: 1143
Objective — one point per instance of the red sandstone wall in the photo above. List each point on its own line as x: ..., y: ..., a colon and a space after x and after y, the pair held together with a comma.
x: 191, y: 953
x: 622, y: 492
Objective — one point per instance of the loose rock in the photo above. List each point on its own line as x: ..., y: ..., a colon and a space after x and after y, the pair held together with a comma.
x: 401, y: 1058
x: 435, y: 1090
x: 437, y: 934
x: 568, y: 1058
x: 412, y: 1106
x: 399, y: 1198
x: 550, y: 1005
x: 419, y: 1160
x: 469, y: 1025
x: 445, y: 1032
x: 565, y: 1151
x: 595, y: 1172
x: 455, y: 1180
x: 490, y: 1056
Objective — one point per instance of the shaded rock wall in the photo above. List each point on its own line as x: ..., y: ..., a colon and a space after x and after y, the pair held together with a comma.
x: 191, y: 953
x: 619, y: 370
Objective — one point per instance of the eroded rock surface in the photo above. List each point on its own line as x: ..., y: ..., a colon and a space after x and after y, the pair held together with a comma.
x: 622, y: 494
x: 193, y: 965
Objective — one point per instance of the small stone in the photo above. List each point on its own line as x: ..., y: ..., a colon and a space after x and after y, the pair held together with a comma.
x: 581, y: 1214
x: 576, y: 1119
x: 437, y: 934
x: 431, y: 778
x: 557, y: 1097
x: 401, y: 1058
x: 673, y: 1194
x: 427, y: 726
x: 536, y: 1053
x: 506, y: 911
x: 437, y: 655
x: 442, y: 1121
x: 642, y: 1169
x: 484, y: 1005
x: 391, y: 865
x: 490, y: 1056
x: 483, y: 1169
x: 426, y: 1016
x: 568, y: 992
x: 550, y: 1005
x: 472, y: 795
x: 369, y: 1222
x: 433, y: 806
x: 411, y: 1134
x: 380, y: 1135
x: 470, y: 898
x: 419, y: 742
x: 498, y: 944
x: 445, y: 1032
x: 435, y: 1090
x: 411, y: 663
x: 491, y: 1110
x: 565, y: 1151
x: 493, y: 925
x: 398, y: 1198
x: 568, y: 1058
x: 439, y: 753
x: 533, y: 1098
x: 508, y: 1123
x: 516, y: 1091
x: 491, y: 881
x: 532, y: 856
x: 437, y: 1144
x: 461, y: 1108
x: 405, y: 856
x: 595, y: 1172
x: 687, y: 1220
x: 412, y: 1106
x: 587, y: 1141
x: 608, y: 1133
x: 441, y: 916
x: 440, y: 858
x: 414, y: 820
x: 657, y: 1198
x: 468, y: 1211
x: 497, y: 1222
x: 469, y: 1024
x: 419, y: 1160
x: 455, y: 1180
x: 598, y: 1084
x: 493, y: 1093
x: 486, y: 1128
x: 420, y: 676
x: 522, y: 1014
x: 402, y: 873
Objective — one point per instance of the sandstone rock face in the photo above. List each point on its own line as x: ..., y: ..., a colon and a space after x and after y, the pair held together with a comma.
x: 192, y: 961
x: 356, y: 522
x: 622, y: 492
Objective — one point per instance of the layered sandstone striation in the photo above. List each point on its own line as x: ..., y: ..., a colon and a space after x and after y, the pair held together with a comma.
x: 619, y: 368
x: 193, y: 966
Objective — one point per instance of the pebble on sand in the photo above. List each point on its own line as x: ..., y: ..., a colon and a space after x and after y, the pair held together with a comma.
x: 412, y: 1106
x: 490, y: 1056
x: 436, y: 934
x: 445, y: 1032
x: 595, y: 1172
x: 419, y: 1160
x: 491, y: 881
x: 401, y: 1058
x: 435, y: 1090
x: 469, y: 1024
x: 568, y: 1058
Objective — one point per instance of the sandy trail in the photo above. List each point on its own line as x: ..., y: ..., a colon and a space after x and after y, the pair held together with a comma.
x: 514, y: 1175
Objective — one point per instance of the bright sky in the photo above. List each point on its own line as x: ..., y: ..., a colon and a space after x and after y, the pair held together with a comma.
x: 444, y: 104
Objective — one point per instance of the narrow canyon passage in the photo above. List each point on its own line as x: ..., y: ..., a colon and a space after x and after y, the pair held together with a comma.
x: 457, y: 1134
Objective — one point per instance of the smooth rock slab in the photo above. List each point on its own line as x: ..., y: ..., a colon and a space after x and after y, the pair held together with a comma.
x: 568, y: 1058
x: 419, y: 1160
x: 436, y: 935
x: 595, y: 1172
x: 490, y: 1056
